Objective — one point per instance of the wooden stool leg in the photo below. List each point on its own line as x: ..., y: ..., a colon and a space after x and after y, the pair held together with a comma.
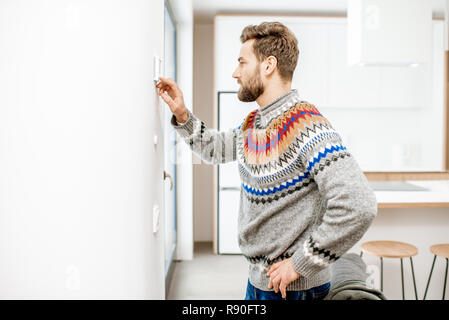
x: 414, y: 282
x: 445, y: 280
x: 430, y: 276
x: 402, y: 280
x: 381, y: 274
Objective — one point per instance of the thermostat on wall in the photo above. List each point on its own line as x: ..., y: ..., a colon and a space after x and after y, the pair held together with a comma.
x: 157, y: 68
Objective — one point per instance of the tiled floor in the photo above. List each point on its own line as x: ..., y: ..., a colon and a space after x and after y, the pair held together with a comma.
x: 209, y: 276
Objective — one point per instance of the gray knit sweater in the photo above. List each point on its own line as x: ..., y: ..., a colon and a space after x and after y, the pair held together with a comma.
x: 302, y: 194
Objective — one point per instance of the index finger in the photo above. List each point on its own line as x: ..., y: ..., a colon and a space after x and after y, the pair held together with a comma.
x: 273, y: 267
x: 167, y: 81
x: 170, y: 83
x: 170, y: 80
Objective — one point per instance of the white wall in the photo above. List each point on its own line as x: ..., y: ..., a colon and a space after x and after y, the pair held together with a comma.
x: 203, y: 108
x: 419, y: 226
x: 79, y: 174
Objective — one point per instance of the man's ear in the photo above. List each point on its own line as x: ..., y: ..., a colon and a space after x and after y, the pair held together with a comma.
x: 270, y: 65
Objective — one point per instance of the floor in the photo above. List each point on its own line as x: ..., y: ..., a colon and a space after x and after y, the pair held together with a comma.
x: 209, y: 277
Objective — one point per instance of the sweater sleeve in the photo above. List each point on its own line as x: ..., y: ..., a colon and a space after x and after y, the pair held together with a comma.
x: 351, y: 203
x: 210, y: 145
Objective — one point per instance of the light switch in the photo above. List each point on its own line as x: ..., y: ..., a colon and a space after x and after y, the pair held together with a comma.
x: 156, y: 215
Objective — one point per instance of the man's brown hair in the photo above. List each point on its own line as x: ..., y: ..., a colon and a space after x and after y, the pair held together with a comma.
x: 274, y: 39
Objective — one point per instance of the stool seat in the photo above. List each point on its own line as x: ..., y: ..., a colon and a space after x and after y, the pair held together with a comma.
x: 441, y: 250
x: 389, y: 249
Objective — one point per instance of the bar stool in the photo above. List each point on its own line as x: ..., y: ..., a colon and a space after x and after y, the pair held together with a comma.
x: 440, y: 250
x: 392, y: 249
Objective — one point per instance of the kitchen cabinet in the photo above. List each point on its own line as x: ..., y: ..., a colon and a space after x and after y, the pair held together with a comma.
x: 373, y: 87
x: 348, y: 86
x: 311, y: 75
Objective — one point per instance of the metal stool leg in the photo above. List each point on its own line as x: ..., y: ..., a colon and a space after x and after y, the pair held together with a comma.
x: 402, y: 279
x: 414, y: 282
x: 381, y: 274
x: 430, y: 276
x: 445, y: 279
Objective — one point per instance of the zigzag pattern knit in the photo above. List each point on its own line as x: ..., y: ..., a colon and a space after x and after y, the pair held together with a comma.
x: 303, y: 195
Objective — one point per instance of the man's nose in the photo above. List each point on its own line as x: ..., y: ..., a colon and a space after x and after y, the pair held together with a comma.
x: 235, y: 74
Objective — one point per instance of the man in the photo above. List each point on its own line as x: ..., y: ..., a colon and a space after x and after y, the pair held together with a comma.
x: 304, y: 200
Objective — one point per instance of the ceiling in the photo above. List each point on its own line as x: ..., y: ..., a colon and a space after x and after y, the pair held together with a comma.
x: 204, y: 10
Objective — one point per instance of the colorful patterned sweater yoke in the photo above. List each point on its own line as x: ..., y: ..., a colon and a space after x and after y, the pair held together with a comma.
x: 303, y: 196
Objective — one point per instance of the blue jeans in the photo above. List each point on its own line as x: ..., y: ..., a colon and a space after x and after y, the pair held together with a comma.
x: 317, y: 293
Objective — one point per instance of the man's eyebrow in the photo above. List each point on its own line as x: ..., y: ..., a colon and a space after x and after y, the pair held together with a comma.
x: 240, y: 58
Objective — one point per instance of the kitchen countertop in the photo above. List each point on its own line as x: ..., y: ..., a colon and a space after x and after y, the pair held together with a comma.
x: 434, y: 195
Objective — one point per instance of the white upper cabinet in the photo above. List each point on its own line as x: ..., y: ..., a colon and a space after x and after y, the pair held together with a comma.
x: 311, y: 74
x: 386, y: 86
x: 405, y: 87
x: 349, y: 86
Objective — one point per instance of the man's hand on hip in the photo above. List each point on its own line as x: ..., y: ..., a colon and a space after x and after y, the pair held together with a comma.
x: 281, y: 274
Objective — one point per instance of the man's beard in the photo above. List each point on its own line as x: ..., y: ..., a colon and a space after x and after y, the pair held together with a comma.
x: 253, y: 90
